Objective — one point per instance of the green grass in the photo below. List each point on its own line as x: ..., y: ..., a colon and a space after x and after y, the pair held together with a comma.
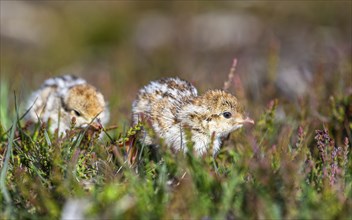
x: 300, y: 168
x: 4, y: 103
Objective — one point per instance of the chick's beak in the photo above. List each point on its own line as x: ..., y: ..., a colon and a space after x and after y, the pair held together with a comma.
x: 95, y: 126
x: 246, y: 120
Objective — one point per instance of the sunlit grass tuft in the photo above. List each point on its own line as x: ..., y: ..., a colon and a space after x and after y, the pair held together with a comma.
x: 274, y: 172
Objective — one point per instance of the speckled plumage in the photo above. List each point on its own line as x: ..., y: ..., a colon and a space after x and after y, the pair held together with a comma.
x: 171, y: 106
x: 59, y: 99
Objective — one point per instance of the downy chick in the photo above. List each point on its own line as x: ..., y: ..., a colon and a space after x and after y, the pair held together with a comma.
x: 171, y: 106
x: 59, y: 99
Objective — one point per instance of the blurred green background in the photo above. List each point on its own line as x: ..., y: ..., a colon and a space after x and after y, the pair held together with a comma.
x: 119, y: 46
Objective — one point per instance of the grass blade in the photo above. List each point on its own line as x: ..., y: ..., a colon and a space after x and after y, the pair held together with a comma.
x: 4, y: 169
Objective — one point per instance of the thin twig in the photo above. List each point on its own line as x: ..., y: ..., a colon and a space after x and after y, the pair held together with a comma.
x: 228, y: 83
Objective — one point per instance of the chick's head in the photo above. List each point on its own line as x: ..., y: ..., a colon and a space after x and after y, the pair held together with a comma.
x: 225, y: 114
x: 84, y: 103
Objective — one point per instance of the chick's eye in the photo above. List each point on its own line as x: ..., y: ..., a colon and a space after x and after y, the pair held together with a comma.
x: 227, y: 114
x: 77, y: 113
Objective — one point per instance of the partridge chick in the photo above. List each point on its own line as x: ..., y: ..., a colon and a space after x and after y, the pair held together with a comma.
x: 59, y: 99
x: 171, y: 106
